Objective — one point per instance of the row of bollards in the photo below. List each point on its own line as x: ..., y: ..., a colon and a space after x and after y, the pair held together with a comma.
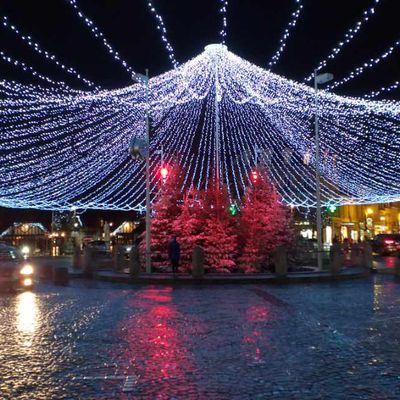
x: 360, y: 256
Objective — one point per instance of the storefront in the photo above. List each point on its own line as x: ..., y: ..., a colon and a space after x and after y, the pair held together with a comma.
x: 125, y: 233
x: 31, y: 238
x: 361, y: 222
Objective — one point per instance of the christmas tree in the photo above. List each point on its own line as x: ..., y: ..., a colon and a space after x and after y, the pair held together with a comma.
x: 220, y: 240
x: 165, y: 210
x: 189, y: 226
x: 265, y: 224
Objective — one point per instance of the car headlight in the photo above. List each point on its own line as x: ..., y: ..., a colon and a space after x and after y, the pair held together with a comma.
x: 28, y: 282
x: 25, y: 250
x: 27, y: 270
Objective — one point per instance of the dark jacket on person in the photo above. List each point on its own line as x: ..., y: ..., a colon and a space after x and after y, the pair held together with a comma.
x: 174, y: 250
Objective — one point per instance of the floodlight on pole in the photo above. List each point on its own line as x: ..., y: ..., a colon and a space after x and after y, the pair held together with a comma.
x: 319, y: 79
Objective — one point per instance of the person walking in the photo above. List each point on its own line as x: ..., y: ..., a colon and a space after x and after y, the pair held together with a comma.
x: 174, y: 253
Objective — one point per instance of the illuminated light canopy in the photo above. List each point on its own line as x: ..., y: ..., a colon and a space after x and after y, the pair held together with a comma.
x: 62, y: 147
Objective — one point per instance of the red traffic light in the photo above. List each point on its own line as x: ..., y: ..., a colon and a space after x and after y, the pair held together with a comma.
x: 254, y: 176
x: 164, y: 173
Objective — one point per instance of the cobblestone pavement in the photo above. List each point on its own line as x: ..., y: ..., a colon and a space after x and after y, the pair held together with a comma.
x: 105, y: 341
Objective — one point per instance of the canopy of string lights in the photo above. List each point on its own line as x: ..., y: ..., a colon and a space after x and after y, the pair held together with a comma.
x: 62, y: 148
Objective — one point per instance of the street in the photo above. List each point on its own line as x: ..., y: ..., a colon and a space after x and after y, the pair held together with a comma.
x: 100, y: 341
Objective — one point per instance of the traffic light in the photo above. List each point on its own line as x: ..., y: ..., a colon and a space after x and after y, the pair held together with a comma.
x: 332, y: 208
x: 233, y: 209
x: 254, y: 176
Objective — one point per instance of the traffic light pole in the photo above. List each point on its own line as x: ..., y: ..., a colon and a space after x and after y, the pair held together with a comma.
x: 148, y: 217
x: 318, y: 177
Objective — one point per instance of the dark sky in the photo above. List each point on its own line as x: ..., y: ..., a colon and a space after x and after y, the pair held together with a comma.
x: 254, y: 30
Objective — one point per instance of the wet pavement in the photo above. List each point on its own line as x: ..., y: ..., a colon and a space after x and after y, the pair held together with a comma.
x: 94, y: 340
x: 387, y: 262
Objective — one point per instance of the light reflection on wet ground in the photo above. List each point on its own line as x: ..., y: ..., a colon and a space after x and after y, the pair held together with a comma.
x: 326, y: 341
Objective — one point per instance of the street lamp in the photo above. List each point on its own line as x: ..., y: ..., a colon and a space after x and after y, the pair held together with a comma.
x: 318, y: 80
x: 139, y: 78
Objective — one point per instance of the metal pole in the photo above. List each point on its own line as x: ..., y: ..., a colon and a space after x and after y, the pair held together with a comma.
x: 148, y: 219
x: 217, y: 161
x: 318, y: 177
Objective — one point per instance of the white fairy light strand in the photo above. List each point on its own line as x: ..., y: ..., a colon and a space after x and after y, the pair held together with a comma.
x: 51, y: 57
x: 99, y: 35
x: 372, y: 62
x: 27, y: 68
x: 384, y: 89
x: 223, y: 11
x: 283, y: 41
x: 348, y: 37
x: 163, y: 31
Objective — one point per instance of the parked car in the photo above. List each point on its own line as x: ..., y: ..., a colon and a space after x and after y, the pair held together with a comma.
x: 386, y: 243
x: 98, y: 245
x: 15, y: 271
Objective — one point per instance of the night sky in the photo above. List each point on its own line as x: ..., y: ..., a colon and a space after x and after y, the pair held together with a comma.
x: 254, y: 30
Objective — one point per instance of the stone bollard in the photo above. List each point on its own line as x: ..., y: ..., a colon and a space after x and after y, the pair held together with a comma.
x: 118, y: 259
x: 280, y: 261
x: 336, y: 258
x: 88, y: 262
x: 46, y: 272
x: 355, y: 255
x: 61, y: 276
x: 198, y: 262
x: 367, y: 256
x: 134, y: 261
x: 77, y: 258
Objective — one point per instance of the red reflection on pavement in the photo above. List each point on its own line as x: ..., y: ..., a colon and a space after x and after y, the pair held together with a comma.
x: 257, y: 313
x: 390, y: 262
x: 157, y: 348
x: 255, y: 341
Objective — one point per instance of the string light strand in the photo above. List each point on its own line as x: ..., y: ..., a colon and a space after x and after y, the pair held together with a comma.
x: 161, y: 27
x: 283, y: 41
x: 350, y: 34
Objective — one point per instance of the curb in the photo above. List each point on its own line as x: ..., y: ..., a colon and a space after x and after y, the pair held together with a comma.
x: 321, y: 277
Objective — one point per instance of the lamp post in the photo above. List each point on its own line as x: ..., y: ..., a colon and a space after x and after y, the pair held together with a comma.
x: 217, y: 132
x: 145, y: 79
x: 318, y: 80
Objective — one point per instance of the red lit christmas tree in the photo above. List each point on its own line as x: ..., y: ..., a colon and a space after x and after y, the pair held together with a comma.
x: 189, y: 226
x: 220, y: 239
x: 265, y: 224
x: 165, y: 210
